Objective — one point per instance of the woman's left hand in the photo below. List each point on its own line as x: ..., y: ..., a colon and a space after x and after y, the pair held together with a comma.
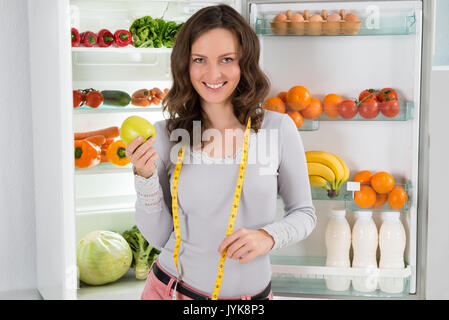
x: 253, y: 243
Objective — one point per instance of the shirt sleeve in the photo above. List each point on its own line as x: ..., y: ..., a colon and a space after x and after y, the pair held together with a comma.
x: 153, y: 214
x: 294, y: 188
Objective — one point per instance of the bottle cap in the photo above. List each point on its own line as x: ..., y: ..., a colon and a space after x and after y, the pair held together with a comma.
x: 337, y: 212
x: 363, y: 213
x: 390, y: 215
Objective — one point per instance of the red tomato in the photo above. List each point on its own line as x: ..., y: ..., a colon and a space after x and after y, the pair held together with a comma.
x: 390, y: 108
x: 347, y: 109
x: 368, y: 92
x: 78, y: 98
x: 369, y: 109
x: 387, y: 94
x: 94, y: 99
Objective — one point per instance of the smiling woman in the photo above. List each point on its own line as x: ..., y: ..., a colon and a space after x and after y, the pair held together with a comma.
x: 215, y: 60
x: 214, y: 220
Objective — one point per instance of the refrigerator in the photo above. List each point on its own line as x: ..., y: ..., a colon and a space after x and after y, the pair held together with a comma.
x: 391, y: 48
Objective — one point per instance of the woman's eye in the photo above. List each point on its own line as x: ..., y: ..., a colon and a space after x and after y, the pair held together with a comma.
x: 196, y: 60
x: 228, y: 59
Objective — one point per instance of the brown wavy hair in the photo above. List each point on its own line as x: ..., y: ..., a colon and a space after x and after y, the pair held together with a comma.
x: 183, y: 102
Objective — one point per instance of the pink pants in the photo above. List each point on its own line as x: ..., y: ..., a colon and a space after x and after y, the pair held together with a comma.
x: 156, y: 290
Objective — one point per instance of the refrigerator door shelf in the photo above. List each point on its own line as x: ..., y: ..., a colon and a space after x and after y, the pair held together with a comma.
x: 309, y: 275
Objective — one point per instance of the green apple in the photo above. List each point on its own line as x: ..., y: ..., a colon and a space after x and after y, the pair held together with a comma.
x: 134, y: 127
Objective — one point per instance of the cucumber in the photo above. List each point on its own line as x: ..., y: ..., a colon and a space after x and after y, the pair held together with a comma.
x: 116, y: 98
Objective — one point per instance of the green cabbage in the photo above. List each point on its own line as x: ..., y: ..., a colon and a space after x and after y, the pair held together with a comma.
x: 103, y: 257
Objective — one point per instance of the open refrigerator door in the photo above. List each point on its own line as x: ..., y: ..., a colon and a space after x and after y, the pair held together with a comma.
x: 318, y: 46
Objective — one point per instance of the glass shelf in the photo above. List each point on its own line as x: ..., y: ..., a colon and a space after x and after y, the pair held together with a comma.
x: 309, y: 275
x: 112, y: 109
x: 405, y: 113
x: 309, y: 125
x: 125, y: 50
x: 321, y: 194
x: 105, y: 167
x: 389, y: 25
x: 352, y: 206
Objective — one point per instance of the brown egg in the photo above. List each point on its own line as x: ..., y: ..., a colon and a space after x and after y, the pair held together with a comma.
x: 351, y: 17
x: 334, y: 17
x: 316, y: 18
x: 280, y: 18
x: 297, y: 17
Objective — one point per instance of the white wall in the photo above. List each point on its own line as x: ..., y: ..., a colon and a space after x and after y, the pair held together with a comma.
x: 442, y: 34
x: 17, y: 221
x: 437, y: 277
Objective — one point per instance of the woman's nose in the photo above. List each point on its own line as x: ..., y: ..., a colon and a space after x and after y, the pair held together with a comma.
x: 213, y: 71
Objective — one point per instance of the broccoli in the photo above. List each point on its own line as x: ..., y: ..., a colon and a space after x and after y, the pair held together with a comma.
x: 143, y: 253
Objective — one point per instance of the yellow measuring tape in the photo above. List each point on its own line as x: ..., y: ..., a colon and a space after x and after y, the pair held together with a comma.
x: 235, y: 205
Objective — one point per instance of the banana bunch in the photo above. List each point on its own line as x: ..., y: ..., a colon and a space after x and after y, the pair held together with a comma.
x: 326, y: 170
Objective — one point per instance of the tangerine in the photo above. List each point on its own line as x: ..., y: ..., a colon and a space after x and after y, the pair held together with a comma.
x: 314, y: 110
x: 330, y: 103
x: 296, y: 117
x: 274, y: 104
x: 397, y: 198
x: 381, y: 198
x: 364, y: 177
x: 283, y: 96
x: 366, y: 197
x: 382, y: 182
x: 298, y: 98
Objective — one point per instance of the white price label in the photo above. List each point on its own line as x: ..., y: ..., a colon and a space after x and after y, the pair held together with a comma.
x: 353, y: 186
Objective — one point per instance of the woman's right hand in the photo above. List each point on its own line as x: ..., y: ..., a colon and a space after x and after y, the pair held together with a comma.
x: 142, y: 156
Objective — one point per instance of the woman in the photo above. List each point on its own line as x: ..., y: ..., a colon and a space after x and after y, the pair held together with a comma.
x: 217, y: 91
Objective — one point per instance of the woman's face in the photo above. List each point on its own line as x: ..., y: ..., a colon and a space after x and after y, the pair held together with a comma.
x: 214, y: 66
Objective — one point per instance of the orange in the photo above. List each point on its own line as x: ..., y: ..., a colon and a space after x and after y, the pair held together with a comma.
x: 364, y: 177
x: 274, y: 104
x: 314, y: 110
x: 382, y: 182
x: 330, y: 103
x: 298, y: 98
x: 397, y: 198
x: 380, y: 200
x: 366, y: 197
x: 283, y: 96
x: 297, y: 118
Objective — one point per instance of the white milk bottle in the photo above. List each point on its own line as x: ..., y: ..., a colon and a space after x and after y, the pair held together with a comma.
x: 338, y: 243
x: 364, y: 244
x: 392, y: 241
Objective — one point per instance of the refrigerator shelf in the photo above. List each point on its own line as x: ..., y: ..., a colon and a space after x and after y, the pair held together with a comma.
x: 112, y: 109
x: 350, y: 204
x: 389, y: 25
x: 309, y: 125
x: 309, y: 275
x: 124, y: 50
x: 405, y: 113
x: 105, y: 167
x: 126, y: 288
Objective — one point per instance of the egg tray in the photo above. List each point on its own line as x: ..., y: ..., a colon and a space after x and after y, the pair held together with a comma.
x: 316, y: 28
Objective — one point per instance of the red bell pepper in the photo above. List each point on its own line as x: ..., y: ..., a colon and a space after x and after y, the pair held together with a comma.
x: 105, y: 38
x: 122, y: 38
x: 76, y: 38
x: 88, y: 38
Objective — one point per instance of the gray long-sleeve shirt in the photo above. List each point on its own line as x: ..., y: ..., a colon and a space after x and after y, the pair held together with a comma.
x: 276, y: 165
